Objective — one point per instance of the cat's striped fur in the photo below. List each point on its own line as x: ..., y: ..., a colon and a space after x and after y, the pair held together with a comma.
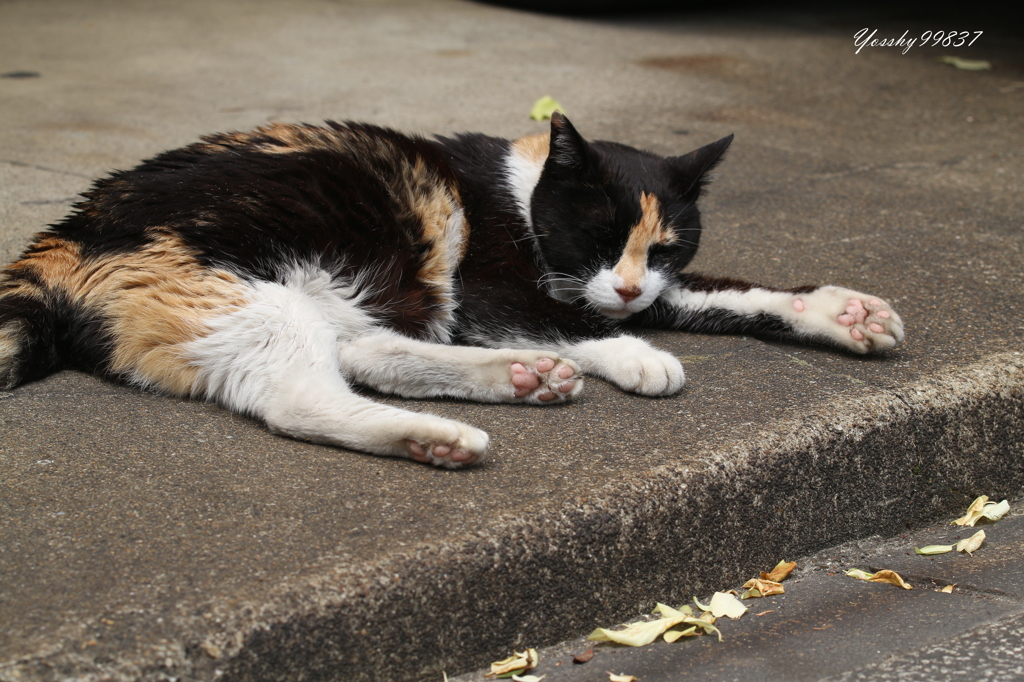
x: 269, y: 270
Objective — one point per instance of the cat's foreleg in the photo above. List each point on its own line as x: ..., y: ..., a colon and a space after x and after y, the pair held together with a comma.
x: 395, y: 364
x: 857, y: 322
x: 593, y: 341
x: 630, y: 363
x: 276, y: 359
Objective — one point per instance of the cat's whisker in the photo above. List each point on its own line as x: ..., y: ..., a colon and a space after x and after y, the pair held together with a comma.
x: 551, y: 278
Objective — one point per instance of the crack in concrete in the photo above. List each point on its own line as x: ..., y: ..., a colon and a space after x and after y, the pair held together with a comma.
x: 22, y: 164
x: 910, y: 165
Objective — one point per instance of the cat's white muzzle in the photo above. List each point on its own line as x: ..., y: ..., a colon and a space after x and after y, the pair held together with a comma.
x: 601, y: 293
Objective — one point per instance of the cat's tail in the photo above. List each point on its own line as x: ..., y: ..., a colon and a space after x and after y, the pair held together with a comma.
x: 26, y: 351
x: 30, y: 324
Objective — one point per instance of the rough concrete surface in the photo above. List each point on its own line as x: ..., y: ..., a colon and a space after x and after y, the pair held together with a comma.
x: 828, y: 626
x: 143, y: 537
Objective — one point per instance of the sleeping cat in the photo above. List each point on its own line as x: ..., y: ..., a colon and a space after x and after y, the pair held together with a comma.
x: 270, y: 270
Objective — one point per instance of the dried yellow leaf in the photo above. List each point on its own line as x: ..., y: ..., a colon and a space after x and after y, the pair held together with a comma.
x: 517, y: 662
x: 673, y: 635
x: 725, y: 604
x: 973, y: 512
x: 612, y: 677
x: 527, y: 678
x: 994, y: 511
x: 780, y: 572
x: 891, y: 577
x: 972, y: 543
x: 884, y: 576
x: 645, y: 632
x: 765, y: 588
x: 948, y: 589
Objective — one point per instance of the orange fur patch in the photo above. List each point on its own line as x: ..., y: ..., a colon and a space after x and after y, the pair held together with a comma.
x: 289, y: 138
x: 156, y: 299
x: 445, y: 230
x: 534, y: 148
x: 632, y: 265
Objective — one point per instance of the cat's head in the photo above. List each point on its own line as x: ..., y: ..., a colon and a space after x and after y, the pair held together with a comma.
x: 614, y: 224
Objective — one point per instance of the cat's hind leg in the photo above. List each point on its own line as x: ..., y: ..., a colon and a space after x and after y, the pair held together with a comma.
x: 395, y: 364
x: 275, y: 358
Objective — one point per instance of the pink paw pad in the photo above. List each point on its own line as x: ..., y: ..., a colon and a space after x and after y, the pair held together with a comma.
x: 799, y: 306
x: 417, y: 451
x: 870, y: 322
x: 440, y: 450
x: 546, y: 381
x: 523, y: 380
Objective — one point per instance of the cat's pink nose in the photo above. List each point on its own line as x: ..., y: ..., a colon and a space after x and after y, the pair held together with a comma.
x: 627, y: 294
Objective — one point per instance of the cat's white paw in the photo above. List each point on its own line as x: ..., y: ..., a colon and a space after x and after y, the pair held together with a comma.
x: 858, y: 322
x: 542, y: 379
x: 448, y: 444
x: 632, y: 365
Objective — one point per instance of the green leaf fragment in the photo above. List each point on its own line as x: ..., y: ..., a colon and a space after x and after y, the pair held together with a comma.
x: 859, y: 574
x: 928, y: 550
x: 544, y: 107
x: 967, y: 64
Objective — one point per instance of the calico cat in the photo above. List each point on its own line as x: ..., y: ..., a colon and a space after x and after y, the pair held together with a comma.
x: 270, y: 270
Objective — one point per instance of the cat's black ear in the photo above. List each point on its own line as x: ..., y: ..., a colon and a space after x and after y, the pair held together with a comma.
x: 568, y: 148
x: 691, y: 170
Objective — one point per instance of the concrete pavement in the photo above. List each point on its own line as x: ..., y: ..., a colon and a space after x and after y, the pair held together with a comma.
x: 148, y: 538
x: 828, y: 626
